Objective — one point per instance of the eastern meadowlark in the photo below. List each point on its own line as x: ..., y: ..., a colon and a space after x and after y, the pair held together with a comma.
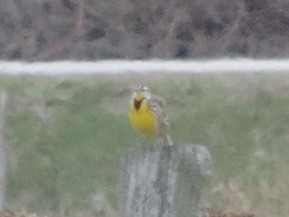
x: 147, y: 114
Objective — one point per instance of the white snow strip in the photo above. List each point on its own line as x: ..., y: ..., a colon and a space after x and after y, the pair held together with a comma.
x: 237, y: 65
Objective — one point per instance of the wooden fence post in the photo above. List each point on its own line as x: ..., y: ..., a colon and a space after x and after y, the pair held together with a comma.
x: 165, y: 182
x: 3, y: 150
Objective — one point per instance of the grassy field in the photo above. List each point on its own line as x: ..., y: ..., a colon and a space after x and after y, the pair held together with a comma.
x: 67, y: 136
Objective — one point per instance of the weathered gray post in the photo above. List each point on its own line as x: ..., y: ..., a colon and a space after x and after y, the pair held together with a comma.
x: 165, y: 182
x: 3, y: 150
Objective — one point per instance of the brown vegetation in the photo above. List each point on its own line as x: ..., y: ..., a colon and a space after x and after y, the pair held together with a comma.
x: 210, y: 212
x: 86, y: 29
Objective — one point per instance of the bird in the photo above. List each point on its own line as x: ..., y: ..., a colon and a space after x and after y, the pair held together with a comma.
x: 147, y: 114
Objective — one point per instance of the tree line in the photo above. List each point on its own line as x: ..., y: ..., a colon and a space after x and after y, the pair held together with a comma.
x: 89, y: 30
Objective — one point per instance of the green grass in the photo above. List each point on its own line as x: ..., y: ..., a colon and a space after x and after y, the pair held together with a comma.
x: 67, y: 137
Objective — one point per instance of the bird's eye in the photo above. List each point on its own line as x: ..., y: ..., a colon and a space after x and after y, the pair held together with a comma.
x: 144, y: 88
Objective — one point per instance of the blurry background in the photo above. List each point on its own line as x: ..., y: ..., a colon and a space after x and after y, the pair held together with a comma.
x: 89, y: 29
x: 67, y: 135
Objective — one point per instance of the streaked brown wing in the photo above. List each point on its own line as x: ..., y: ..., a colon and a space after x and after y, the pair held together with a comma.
x: 157, y: 105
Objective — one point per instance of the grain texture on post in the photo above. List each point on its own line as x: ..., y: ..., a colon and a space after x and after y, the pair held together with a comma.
x: 164, y: 182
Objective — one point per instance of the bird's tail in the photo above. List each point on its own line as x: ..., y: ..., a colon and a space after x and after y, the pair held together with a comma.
x: 168, y: 141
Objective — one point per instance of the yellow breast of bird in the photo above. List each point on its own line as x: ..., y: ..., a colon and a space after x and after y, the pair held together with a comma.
x: 143, y: 119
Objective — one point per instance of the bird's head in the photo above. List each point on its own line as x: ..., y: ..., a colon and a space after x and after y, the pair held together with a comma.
x: 141, y: 92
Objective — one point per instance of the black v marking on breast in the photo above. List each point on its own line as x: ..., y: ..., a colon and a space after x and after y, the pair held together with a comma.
x: 137, y: 103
